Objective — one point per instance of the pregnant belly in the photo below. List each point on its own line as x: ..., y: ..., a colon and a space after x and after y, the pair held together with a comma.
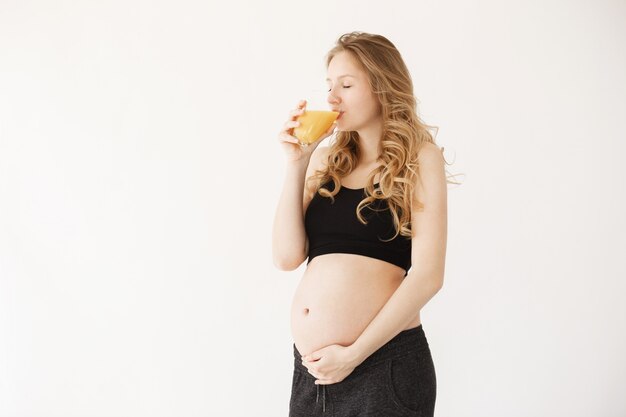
x: 338, y: 296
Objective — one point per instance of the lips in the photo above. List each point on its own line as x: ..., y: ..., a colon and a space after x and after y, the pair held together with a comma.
x: 340, y: 114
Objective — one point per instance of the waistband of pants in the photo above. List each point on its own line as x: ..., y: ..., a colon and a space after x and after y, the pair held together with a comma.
x: 406, y: 341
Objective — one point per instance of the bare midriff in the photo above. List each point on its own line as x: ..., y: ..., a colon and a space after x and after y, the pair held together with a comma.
x: 338, y: 296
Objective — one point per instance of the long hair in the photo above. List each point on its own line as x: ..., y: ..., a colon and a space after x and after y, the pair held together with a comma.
x: 403, y: 134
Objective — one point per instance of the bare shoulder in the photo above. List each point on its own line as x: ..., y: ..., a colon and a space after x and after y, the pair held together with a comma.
x: 322, y: 153
x: 430, y: 159
x: 431, y: 151
x: 431, y: 180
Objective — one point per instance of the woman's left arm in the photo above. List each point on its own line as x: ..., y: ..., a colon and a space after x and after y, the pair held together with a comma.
x: 428, y: 253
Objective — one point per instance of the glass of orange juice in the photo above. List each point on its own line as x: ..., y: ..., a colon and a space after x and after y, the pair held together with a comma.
x: 317, y: 120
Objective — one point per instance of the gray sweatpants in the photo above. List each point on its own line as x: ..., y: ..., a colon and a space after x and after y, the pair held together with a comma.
x: 397, y: 380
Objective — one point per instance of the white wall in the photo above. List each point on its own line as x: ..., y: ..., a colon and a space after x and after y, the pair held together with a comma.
x: 139, y: 174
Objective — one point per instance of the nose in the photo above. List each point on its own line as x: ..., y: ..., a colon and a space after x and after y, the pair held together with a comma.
x: 332, y: 99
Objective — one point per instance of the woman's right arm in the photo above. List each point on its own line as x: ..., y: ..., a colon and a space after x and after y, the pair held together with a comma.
x: 289, y: 240
x: 289, y: 235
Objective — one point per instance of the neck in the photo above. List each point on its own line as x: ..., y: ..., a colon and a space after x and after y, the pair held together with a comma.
x: 370, y: 142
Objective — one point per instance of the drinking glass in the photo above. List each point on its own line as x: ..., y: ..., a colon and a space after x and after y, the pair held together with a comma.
x: 317, y: 120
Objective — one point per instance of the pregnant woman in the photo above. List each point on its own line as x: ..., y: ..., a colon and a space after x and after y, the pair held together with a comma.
x: 370, y: 214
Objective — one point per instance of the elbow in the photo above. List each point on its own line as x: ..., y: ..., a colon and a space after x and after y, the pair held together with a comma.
x: 439, y: 284
x: 434, y: 282
x: 281, y: 265
x: 284, y: 264
x: 288, y: 259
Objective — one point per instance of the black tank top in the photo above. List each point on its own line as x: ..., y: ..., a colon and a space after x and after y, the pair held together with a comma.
x: 334, y: 228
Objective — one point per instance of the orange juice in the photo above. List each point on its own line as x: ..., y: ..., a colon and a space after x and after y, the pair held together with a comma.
x: 313, y: 123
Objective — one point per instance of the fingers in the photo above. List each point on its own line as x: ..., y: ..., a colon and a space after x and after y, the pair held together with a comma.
x: 286, y: 137
x: 293, y: 115
x: 313, y: 371
x: 290, y: 124
x: 296, y: 113
x: 298, y: 110
x: 285, y: 133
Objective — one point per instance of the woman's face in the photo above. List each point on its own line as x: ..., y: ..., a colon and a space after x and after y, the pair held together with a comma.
x: 351, y: 95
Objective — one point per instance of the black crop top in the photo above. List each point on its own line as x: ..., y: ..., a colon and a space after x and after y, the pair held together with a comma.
x: 334, y: 228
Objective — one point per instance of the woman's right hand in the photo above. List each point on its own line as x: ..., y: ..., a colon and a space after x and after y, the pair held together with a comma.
x: 293, y: 149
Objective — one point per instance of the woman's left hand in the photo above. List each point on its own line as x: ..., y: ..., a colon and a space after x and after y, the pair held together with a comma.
x: 331, y: 364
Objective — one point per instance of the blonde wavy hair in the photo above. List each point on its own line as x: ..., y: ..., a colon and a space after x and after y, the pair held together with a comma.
x: 404, y: 133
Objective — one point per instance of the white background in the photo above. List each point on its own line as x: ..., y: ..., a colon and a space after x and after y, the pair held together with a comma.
x: 140, y: 172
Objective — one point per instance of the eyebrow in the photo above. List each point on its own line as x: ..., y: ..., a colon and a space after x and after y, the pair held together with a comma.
x: 341, y: 76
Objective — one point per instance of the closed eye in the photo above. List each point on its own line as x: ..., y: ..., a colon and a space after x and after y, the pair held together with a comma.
x: 345, y: 86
